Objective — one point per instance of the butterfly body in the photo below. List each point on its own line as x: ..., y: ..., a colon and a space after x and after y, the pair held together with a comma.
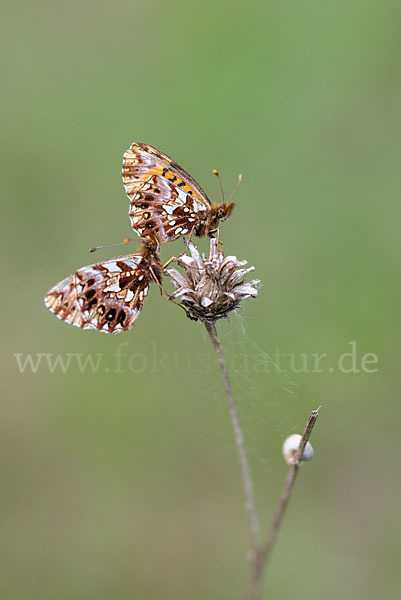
x: 109, y: 295
x: 164, y: 199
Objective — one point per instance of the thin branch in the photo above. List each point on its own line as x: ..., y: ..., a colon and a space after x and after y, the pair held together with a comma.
x: 259, y: 554
x: 265, y: 551
x: 239, y: 441
x: 306, y: 434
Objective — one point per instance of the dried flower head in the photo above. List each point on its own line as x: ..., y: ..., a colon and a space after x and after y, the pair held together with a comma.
x: 211, y: 287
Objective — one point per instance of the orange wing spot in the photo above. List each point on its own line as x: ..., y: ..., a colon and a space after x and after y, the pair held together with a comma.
x: 152, y: 178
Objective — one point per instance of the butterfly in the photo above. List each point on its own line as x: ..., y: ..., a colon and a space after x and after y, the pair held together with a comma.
x: 164, y: 199
x: 109, y: 295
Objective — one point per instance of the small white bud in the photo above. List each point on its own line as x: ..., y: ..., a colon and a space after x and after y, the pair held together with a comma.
x: 290, y: 448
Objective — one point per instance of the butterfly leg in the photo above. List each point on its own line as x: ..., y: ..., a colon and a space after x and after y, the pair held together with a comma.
x: 155, y: 279
x: 170, y: 260
x: 189, y: 239
x: 219, y: 242
x: 212, y: 233
x: 162, y: 290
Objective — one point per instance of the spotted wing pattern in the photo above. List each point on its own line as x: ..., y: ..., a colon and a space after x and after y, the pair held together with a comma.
x: 106, y: 296
x: 164, y: 199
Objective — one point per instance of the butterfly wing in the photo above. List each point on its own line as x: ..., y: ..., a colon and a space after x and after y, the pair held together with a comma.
x: 164, y: 198
x: 106, y: 296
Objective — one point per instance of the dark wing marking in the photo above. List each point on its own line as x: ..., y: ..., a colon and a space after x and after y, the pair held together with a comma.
x: 107, y: 296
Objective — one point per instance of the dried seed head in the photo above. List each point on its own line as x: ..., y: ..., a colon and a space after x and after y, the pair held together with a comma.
x: 290, y: 448
x: 211, y: 287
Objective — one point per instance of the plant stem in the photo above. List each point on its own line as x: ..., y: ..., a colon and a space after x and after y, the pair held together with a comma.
x: 259, y: 554
x: 243, y: 459
x: 265, y: 551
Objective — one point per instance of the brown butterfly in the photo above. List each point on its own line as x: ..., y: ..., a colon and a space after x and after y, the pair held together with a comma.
x: 164, y: 199
x: 109, y: 295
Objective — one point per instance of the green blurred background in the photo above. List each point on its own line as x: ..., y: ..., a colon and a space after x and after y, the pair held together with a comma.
x: 126, y: 484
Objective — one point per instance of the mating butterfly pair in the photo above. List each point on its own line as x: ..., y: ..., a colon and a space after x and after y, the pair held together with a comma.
x: 165, y: 203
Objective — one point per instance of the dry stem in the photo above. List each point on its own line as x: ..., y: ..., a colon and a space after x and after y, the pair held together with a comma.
x: 259, y: 554
x: 239, y: 441
x: 265, y: 550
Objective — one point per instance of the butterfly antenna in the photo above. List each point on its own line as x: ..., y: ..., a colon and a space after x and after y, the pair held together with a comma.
x: 123, y: 243
x: 236, y: 188
x: 220, y: 184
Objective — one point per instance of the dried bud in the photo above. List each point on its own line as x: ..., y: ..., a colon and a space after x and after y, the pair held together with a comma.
x: 211, y: 287
x: 290, y: 447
